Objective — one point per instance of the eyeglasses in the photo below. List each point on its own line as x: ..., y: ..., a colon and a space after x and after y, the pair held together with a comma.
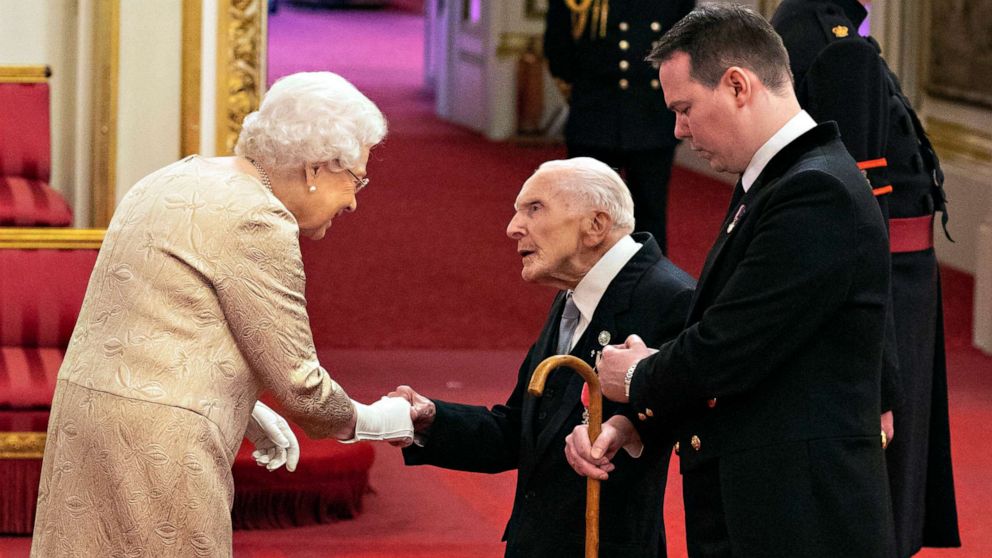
x: 359, y: 182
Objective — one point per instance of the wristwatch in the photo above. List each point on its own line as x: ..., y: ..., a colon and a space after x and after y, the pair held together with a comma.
x: 627, y: 378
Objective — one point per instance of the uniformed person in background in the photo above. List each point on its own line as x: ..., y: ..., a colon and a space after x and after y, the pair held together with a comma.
x: 841, y: 76
x: 596, y: 50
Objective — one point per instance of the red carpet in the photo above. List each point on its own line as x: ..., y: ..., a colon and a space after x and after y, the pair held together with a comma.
x: 422, y: 287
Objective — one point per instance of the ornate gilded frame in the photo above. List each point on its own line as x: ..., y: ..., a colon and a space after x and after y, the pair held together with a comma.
x: 51, y: 238
x: 954, y: 140
x: 956, y: 67
x: 241, y: 80
x: 22, y: 445
x: 30, y: 73
x: 192, y: 72
x: 241, y: 33
x: 106, y: 57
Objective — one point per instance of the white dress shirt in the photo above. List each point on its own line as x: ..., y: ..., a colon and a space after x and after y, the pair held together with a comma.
x: 798, y: 125
x: 591, y: 288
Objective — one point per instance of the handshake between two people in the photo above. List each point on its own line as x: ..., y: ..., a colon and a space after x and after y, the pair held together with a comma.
x: 390, y: 419
x: 403, y: 413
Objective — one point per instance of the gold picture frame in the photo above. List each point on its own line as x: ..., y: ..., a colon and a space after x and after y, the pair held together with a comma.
x: 957, y: 66
x: 50, y: 238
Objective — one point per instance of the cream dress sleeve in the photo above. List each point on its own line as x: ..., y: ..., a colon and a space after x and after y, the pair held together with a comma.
x: 260, y: 285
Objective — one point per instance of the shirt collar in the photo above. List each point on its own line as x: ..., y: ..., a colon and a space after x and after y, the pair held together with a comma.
x: 798, y: 125
x: 592, y: 287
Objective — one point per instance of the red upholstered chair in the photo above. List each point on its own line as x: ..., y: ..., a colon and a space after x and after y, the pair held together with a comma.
x: 26, y: 197
x: 43, y: 278
x: 41, y: 291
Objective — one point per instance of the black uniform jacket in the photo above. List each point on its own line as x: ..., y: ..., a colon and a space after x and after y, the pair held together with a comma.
x: 841, y: 76
x: 777, y: 374
x: 650, y: 297
x: 617, y: 101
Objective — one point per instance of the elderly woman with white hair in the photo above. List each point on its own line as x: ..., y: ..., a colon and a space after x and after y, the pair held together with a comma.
x: 196, y: 306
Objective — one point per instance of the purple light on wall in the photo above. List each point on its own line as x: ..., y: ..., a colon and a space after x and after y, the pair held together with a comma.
x: 865, y: 29
x: 475, y: 11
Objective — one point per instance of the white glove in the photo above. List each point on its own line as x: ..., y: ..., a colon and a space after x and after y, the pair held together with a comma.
x: 388, y: 419
x: 275, y: 443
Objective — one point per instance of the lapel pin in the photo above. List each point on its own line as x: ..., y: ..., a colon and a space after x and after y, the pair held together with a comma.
x: 737, y: 218
x: 604, y: 338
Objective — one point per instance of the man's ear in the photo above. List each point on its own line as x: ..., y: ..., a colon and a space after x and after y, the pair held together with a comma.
x: 738, y: 81
x: 598, y: 227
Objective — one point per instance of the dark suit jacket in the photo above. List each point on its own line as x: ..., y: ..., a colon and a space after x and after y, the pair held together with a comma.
x: 650, y: 297
x: 847, y: 80
x: 785, y: 333
x: 617, y: 101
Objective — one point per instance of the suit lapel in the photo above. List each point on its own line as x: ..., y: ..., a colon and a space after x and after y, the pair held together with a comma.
x: 737, y: 211
x: 545, y: 347
x: 615, y: 301
x: 586, y: 350
x: 772, y: 172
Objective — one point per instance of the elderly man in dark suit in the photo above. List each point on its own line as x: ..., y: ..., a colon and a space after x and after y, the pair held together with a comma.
x: 572, y: 227
x: 774, y: 385
x: 841, y: 76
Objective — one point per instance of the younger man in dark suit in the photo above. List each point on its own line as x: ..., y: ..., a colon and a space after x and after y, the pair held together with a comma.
x: 774, y: 384
x: 572, y: 226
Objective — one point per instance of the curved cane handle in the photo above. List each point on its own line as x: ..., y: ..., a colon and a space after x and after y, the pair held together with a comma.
x: 536, y: 388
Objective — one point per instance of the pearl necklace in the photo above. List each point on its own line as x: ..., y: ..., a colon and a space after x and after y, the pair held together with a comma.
x: 265, y: 176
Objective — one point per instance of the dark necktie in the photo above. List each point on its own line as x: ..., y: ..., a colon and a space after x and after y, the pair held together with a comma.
x: 738, y: 194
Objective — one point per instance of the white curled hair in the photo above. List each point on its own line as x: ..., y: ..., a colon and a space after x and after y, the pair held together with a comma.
x: 597, y: 185
x: 311, y: 118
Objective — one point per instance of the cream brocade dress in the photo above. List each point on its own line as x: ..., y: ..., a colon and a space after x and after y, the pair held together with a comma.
x: 195, y: 305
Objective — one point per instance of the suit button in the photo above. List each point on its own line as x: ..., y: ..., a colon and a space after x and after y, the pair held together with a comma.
x: 711, y: 403
x: 542, y: 415
x: 695, y: 442
x: 676, y: 448
x: 549, y: 392
x: 655, y: 84
x: 529, y: 494
x: 624, y: 45
x: 655, y: 26
x: 649, y: 412
x: 624, y: 26
x: 642, y: 416
x: 624, y: 84
x: 624, y: 65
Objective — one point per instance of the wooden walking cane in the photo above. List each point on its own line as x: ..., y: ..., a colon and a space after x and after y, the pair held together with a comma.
x: 536, y: 388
